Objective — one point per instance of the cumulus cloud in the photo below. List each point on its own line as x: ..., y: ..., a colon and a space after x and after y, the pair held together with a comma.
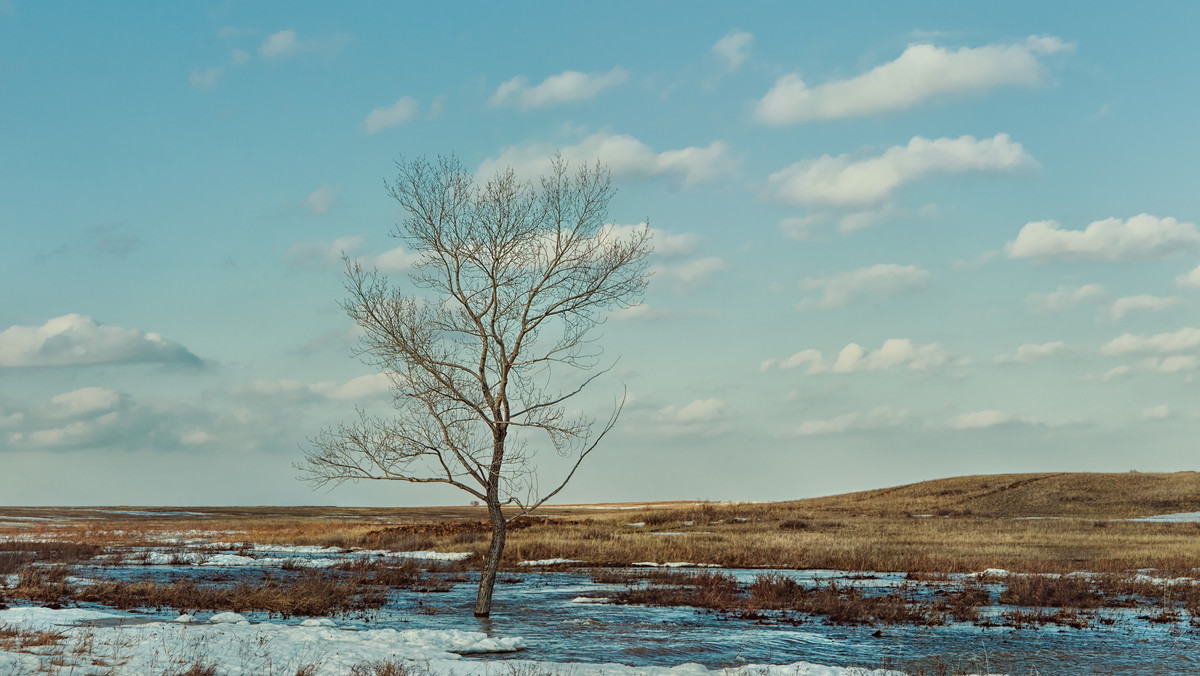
x: 666, y: 244
x: 895, y: 353
x: 322, y: 255
x: 281, y: 44
x: 1191, y: 279
x: 876, y: 281
x: 877, y: 418
x: 1117, y: 372
x: 921, y: 73
x: 688, y: 275
x: 321, y: 200
x: 845, y: 181
x: 75, y: 340
x: 363, y: 387
x: 565, y: 87
x: 1065, y: 297
x: 386, y: 117
x: 1144, y: 303
x: 700, y: 410
x: 1172, y: 364
x: 1032, y: 352
x: 398, y: 259
x: 325, y: 255
x: 1162, y: 343
x: 734, y: 49
x: 1140, y: 238
x: 623, y: 154
x: 205, y: 79
x: 98, y: 417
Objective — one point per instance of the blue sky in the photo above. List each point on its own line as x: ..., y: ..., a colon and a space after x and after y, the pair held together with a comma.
x: 894, y: 242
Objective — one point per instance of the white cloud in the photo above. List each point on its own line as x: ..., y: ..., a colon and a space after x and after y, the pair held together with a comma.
x: 565, y: 87
x: 386, y: 117
x: 1140, y: 238
x: 1032, y: 352
x: 97, y: 417
x: 847, y: 182
x: 82, y: 402
x: 74, y: 339
x: 321, y: 200
x: 1160, y: 412
x: 238, y: 56
x: 623, y: 154
x: 394, y: 260
x: 1163, y: 343
x: 700, y: 410
x: 205, y: 79
x: 640, y: 312
x: 687, y: 276
x: 1143, y: 303
x: 1191, y: 279
x: 322, y: 254
x: 734, y: 49
x: 878, y: 281
x: 894, y: 353
x: 363, y: 387
x: 281, y: 44
x: 1066, y: 297
x: 921, y: 73
x: 864, y: 218
x: 666, y: 244
x: 877, y: 418
x: 1117, y: 373
x: 982, y: 419
x: 1172, y: 364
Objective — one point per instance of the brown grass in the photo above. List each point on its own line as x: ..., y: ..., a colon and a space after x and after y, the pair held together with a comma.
x: 979, y: 522
x: 16, y: 639
x: 309, y: 594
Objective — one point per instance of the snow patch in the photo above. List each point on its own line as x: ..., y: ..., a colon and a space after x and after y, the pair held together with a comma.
x: 228, y: 618
x: 548, y: 562
x: 1180, y: 517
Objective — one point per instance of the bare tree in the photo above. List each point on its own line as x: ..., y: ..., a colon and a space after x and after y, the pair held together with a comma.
x: 511, y: 278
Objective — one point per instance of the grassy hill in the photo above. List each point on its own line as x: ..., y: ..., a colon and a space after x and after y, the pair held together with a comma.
x: 1067, y: 494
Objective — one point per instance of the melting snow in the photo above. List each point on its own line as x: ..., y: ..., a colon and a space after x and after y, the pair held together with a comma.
x: 1181, y: 517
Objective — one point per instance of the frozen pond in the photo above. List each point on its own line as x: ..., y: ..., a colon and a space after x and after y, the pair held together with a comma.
x: 545, y: 609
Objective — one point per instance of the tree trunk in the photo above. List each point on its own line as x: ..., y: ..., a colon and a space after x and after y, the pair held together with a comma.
x: 487, y: 578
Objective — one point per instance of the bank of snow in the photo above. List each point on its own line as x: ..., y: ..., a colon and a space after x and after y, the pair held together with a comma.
x: 236, y: 647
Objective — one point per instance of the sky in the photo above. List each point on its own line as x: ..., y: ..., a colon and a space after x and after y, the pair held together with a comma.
x: 894, y: 241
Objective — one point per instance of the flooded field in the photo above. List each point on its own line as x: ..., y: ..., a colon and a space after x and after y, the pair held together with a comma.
x: 566, y: 618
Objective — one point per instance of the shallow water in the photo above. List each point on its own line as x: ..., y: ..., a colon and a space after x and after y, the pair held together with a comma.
x: 539, y: 607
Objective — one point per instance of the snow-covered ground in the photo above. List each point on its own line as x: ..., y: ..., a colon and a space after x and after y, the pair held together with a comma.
x: 93, y: 644
x: 1181, y: 517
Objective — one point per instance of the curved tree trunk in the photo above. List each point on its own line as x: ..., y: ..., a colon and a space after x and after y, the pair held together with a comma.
x: 487, y: 578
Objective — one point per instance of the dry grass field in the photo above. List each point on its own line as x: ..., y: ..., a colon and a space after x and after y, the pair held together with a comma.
x: 1019, y: 522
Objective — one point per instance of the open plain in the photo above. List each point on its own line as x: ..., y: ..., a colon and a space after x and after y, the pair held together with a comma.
x: 1000, y: 573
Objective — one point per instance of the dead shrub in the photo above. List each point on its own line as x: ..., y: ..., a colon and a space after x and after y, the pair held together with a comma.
x: 1047, y: 591
x: 12, y: 562
x: 54, y: 552
x: 385, y: 668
